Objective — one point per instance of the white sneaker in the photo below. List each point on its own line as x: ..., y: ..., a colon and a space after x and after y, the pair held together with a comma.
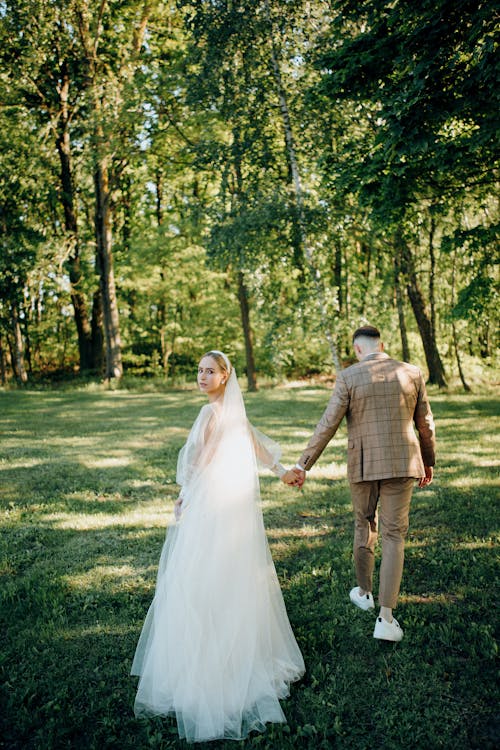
x: 363, y: 602
x: 388, y: 631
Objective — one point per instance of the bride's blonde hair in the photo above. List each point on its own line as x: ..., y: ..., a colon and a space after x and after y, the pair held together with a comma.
x: 221, y: 359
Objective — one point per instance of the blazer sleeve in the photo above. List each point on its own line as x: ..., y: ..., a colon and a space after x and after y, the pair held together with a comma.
x: 424, y: 422
x: 327, y: 425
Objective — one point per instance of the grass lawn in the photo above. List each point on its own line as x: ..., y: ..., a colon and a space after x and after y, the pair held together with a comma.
x: 87, y: 483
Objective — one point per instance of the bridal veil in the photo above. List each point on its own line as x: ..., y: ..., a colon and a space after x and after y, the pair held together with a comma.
x: 217, y: 650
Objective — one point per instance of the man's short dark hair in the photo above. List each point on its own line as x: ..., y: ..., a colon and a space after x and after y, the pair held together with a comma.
x: 369, y: 331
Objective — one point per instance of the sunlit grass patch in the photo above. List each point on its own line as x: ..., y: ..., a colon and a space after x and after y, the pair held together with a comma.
x: 87, y: 485
x: 152, y: 516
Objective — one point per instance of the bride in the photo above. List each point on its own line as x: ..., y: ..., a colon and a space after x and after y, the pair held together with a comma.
x: 217, y: 650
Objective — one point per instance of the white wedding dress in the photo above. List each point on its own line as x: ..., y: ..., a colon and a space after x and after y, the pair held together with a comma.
x: 217, y: 650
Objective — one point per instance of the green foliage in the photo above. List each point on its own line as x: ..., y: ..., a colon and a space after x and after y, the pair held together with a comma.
x: 88, y: 484
x: 427, y: 72
x: 473, y: 298
x: 477, y: 298
x: 393, y: 115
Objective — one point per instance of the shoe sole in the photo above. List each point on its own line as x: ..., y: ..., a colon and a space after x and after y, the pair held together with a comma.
x: 384, y: 638
x: 364, y: 609
x: 359, y: 606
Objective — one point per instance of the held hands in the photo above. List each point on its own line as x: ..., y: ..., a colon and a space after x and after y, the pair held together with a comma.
x: 294, y: 477
x: 429, y: 473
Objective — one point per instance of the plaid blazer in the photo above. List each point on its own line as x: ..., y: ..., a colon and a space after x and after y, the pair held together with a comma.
x: 382, y: 400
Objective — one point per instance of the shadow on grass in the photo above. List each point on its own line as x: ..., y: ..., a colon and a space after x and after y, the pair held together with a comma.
x: 81, y: 695
x: 71, y: 635
x: 81, y: 540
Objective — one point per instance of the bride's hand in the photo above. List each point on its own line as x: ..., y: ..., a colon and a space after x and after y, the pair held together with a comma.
x: 178, y: 508
x: 294, y: 477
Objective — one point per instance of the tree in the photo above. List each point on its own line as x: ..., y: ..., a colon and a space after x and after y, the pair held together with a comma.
x: 180, y: 167
x: 422, y: 316
x: 429, y: 72
x: 111, y: 41
x: 303, y: 242
x: 421, y: 75
x: 40, y: 54
x: 21, y: 231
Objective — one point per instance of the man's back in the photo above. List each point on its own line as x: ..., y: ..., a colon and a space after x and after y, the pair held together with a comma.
x: 382, y: 399
x: 386, y: 398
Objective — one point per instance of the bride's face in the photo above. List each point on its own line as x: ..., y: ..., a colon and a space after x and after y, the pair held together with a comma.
x: 211, y: 379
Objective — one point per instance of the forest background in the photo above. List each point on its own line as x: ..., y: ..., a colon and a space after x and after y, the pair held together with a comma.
x: 261, y: 177
x: 256, y: 176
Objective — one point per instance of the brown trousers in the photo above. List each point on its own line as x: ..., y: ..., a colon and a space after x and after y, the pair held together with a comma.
x: 386, y: 501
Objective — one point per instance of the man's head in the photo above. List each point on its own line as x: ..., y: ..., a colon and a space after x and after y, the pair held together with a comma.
x: 366, y: 340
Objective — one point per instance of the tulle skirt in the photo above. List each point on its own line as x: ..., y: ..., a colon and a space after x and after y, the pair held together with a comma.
x: 217, y: 650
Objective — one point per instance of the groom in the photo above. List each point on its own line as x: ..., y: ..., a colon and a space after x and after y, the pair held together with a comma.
x: 381, y: 399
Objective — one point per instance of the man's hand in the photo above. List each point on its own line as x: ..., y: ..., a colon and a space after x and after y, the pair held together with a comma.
x: 429, y: 473
x: 294, y: 477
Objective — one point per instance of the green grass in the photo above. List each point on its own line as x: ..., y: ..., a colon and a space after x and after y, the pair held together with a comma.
x: 87, y: 481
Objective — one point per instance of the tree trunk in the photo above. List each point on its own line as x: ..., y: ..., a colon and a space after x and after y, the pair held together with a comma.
x: 104, y: 237
x: 162, y: 306
x: 113, y: 368
x: 483, y: 339
x: 63, y: 146
x: 27, y: 343
x: 432, y: 276
x: 337, y: 275
x: 400, y: 306
x: 97, y: 360
x: 340, y: 284
x: 236, y: 196
x: 37, y: 315
x: 433, y: 359
x: 18, y: 353
x: 159, y: 196
x: 454, y: 329
x: 90, y: 39
x: 165, y: 350
x: 247, y: 332
x: 126, y: 204
x: 457, y: 357
x: 3, y: 368
x: 366, y: 254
